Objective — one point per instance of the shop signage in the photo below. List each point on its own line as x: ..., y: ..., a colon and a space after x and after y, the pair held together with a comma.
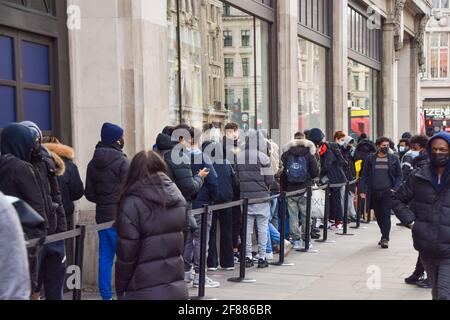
x: 438, y: 112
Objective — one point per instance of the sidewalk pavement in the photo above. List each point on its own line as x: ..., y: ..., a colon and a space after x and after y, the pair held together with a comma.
x: 353, y: 268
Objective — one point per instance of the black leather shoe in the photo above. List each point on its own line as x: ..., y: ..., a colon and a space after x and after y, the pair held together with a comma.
x: 384, y: 244
x: 315, y: 236
x: 262, y: 263
x: 249, y: 263
x: 413, y: 279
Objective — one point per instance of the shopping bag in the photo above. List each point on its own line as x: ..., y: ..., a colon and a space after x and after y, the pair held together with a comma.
x: 318, y: 204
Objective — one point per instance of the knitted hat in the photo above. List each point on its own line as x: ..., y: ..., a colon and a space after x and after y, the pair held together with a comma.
x: 316, y: 135
x: 111, y: 133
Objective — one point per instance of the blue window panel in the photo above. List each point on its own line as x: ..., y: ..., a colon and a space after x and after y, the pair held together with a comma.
x: 6, y: 58
x: 37, y: 108
x: 7, y: 105
x: 35, y: 63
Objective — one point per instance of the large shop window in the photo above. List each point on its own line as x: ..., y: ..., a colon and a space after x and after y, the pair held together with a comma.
x: 42, y: 6
x: 26, y: 84
x: 362, y: 100
x: 218, y: 65
x: 312, y: 61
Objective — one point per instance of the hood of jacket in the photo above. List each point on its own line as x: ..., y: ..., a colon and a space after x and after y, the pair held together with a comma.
x: 104, y: 155
x: 348, y: 140
x: 17, y: 140
x: 165, y: 142
x: 158, y: 189
x: 61, y: 150
x: 366, y: 146
x: 60, y: 166
x: 444, y: 136
x: 300, y: 147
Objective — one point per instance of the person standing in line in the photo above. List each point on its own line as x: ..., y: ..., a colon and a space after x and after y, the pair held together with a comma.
x: 347, y: 150
x: 381, y: 176
x: 106, y: 175
x: 423, y: 204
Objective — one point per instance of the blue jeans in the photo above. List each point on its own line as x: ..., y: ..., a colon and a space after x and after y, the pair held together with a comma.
x: 107, y: 252
x: 272, y: 232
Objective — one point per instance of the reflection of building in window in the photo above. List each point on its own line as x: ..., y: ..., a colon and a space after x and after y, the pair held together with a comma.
x: 229, y: 67
x: 227, y: 39
x: 229, y: 98
x: 226, y: 10
x: 245, y: 67
x: 245, y: 35
x: 441, y: 4
x: 246, y: 94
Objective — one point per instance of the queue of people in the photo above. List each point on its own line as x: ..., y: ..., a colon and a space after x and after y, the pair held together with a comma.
x: 155, y: 241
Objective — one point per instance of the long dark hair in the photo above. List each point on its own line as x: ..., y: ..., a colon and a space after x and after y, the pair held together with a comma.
x: 143, y: 165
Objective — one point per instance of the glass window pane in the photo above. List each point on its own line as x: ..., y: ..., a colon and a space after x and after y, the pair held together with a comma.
x: 35, y: 62
x: 362, y: 99
x: 444, y: 39
x: 312, y: 86
x: 37, y: 108
x: 7, y: 105
x: 262, y: 74
x: 6, y: 58
x: 444, y: 63
x: 434, y: 39
x: 434, y: 63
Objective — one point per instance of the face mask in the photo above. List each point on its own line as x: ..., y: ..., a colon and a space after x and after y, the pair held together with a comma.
x: 341, y: 143
x: 414, y: 154
x: 402, y: 149
x: 384, y: 150
x: 440, y: 160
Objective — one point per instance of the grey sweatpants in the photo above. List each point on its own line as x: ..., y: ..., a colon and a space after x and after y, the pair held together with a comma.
x: 438, y: 271
x: 259, y: 212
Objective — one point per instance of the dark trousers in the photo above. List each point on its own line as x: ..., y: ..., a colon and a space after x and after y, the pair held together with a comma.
x: 225, y: 218
x: 336, y: 212
x: 420, y: 270
x: 237, y: 226
x: 438, y: 272
x: 52, y: 270
x: 381, y: 204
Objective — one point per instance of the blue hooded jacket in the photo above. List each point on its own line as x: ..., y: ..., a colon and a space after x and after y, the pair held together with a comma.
x: 210, y: 189
x: 439, y: 184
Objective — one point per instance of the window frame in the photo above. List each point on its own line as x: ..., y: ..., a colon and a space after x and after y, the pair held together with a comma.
x: 228, y: 65
x: 439, y: 49
x: 245, y: 35
x: 227, y: 36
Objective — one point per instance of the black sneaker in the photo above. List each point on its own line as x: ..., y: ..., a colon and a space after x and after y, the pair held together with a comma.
x: 413, y: 279
x: 237, y: 258
x: 384, y: 244
x: 315, y: 235
x: 424, y: 284
x: 262, y: 263
x: 249, y: 263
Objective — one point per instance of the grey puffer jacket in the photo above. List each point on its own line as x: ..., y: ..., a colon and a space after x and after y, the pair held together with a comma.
x: 254, y: 172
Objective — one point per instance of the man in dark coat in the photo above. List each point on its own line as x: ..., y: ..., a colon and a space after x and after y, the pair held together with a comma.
x: 19, y: 179
x: 423, y: 204
x: 52, y: 260
x: 296, y: 153
x: 106, y: 175
x: 381, y: 176
x: 331, y: 170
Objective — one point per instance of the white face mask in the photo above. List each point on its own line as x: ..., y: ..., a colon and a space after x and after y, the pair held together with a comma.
x: 402, y: 149
x: 414, y: 154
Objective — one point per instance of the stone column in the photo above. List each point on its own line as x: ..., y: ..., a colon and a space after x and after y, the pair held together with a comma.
x: 340, y: 57
x: 288, y: 69
x: 415, y: 88
x: 389, y: 78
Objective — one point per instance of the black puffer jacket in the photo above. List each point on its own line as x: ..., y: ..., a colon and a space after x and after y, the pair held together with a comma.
x: 150, y: 243
x: 181, y: 173
x: 106, y: 175
x: 299, y: 148
x: 423, y: 201
x: 70, y: 182
x: 332, y: 163
x: 17, y: 176
x: 47, y: 176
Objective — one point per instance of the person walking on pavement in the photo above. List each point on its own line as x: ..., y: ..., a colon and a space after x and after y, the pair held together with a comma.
x: 150, y: 223
x: 381, y: 176
x: 300, y: 168
x: 347, y: 150
x: 423, y: 204
x: 106, y: 175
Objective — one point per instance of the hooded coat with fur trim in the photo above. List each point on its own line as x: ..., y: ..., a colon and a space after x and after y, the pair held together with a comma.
x: 69, y: 179
x: 299, y: 148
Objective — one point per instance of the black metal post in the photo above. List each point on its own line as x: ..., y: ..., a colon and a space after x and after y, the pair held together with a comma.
x: 326, y: 216
x: 79, y: 259
x: 346, y: 199
x: 283, y: 202
x: 307, y: 225
x: 358, y: 211
x: 241, y: 277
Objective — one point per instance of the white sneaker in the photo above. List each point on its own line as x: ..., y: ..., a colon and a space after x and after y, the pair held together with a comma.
x: 228, y: 269
x: 269, y: 256
x: 212, y: 269
x: 297, y: 245
x: 287, y: 248
x: 209, y: 283
x: 188, y: 277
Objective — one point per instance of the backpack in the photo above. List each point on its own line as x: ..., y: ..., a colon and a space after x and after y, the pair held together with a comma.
x: 297, y: 169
